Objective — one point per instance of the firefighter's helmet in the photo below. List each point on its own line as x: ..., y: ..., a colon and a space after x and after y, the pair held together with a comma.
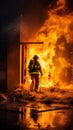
x: 36, y: 57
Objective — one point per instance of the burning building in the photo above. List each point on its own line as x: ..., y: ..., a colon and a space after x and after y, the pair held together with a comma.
x: 56, y: 52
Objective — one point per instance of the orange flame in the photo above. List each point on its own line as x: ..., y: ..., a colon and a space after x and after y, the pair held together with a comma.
x: 56, y: 35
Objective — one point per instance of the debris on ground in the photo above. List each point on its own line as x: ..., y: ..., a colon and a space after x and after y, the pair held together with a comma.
x: 46, y: 96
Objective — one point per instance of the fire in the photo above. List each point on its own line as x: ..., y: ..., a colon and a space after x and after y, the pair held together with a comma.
x: 54, y: 53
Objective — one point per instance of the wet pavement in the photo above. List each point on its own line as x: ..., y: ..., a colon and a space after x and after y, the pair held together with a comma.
x: 37, y: 116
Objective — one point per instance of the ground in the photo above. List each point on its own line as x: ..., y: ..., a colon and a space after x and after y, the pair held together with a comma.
x: 48, y: 109
x: 45, y: 95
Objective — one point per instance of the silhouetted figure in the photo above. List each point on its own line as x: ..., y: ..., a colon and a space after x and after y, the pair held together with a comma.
x: 34, y: 69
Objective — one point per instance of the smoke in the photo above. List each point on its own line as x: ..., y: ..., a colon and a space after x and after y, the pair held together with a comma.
x: 15, y: 25
x: 35, y: 12
x: 69, y: 5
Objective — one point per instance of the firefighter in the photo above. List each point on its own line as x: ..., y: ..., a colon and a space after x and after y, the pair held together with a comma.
x: 35, y: 71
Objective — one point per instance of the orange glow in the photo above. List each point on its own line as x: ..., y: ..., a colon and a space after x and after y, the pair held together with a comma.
x: 56, y: 35
x: 20, y: 64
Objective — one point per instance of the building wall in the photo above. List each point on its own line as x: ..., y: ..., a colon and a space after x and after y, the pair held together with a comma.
x: 13, y: 61
x: 3, y: 67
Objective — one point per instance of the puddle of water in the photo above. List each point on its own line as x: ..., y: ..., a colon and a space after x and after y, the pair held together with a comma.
x: 32, y: 120
x: 48, y: 120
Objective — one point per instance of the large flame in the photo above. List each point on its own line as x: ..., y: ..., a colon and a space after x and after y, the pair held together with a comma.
x: 56, y: 51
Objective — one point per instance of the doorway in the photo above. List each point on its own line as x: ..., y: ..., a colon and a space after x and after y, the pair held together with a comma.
x: 27, y: 51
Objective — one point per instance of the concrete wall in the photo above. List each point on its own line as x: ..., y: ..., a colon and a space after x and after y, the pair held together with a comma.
x: 13, y: 61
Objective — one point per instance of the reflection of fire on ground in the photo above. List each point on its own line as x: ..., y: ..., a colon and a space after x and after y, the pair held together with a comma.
x: 56, y: 54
